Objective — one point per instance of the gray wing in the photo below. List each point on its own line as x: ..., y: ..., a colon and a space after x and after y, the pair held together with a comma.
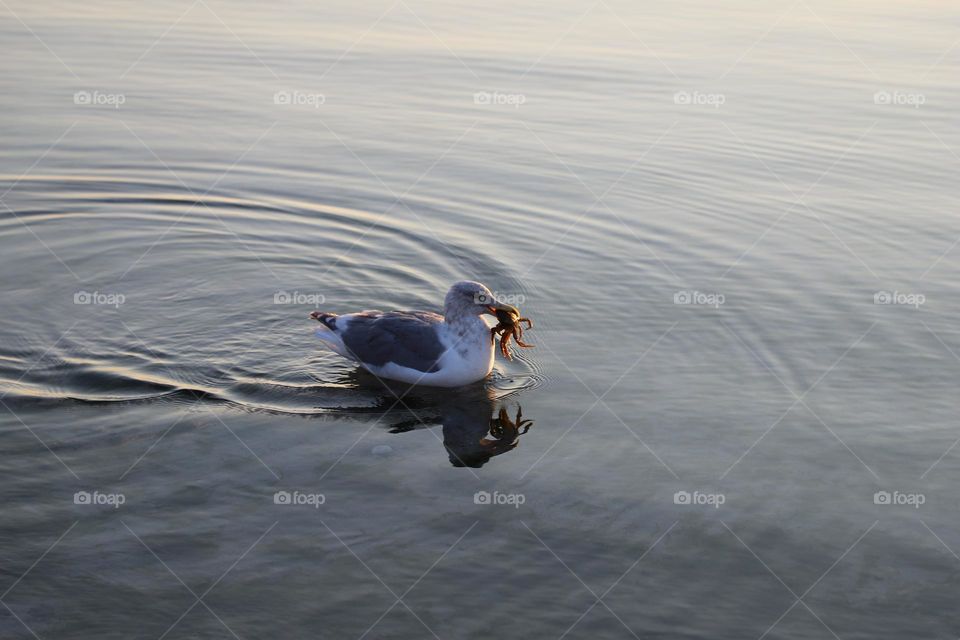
x: 407, y: 338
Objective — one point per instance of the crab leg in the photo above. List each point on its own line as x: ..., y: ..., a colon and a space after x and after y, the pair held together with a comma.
x: 504, y: 341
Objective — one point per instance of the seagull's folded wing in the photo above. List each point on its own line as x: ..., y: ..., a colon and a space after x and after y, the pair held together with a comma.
x: 407, y: 338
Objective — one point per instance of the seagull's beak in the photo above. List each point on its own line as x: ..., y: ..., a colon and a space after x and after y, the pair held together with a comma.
x: 499, y: 306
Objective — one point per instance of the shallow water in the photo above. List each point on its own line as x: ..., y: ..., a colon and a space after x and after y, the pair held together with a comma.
x: 182, y: 183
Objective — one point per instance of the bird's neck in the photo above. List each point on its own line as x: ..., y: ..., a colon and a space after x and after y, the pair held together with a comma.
x: 462, y: 322
x: 457, y: 313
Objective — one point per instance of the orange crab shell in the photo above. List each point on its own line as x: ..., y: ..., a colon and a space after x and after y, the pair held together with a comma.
x: 507, y: 328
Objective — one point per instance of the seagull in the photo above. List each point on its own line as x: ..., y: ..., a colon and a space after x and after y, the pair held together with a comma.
x: 420, y: 347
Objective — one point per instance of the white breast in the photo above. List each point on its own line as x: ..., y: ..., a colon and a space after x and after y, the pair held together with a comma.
x: 469, y: 355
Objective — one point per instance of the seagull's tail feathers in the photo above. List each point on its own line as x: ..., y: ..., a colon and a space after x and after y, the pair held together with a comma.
x: 329, y: 320
x: 327, y: 333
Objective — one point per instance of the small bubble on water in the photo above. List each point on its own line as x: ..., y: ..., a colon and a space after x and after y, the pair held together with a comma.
x: 382, y: 450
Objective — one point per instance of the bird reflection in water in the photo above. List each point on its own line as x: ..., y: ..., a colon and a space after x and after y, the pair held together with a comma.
x: 472, y: 444
x: 472, y: 434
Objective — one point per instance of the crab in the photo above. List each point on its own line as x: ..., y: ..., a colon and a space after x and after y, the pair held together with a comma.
x: 508, y: 326
x: 504, y: 434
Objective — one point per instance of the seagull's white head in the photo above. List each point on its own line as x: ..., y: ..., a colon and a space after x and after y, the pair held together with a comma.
x: 468, y: 298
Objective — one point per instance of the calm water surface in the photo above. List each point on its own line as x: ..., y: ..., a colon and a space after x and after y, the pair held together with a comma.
x: 703, y: 206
